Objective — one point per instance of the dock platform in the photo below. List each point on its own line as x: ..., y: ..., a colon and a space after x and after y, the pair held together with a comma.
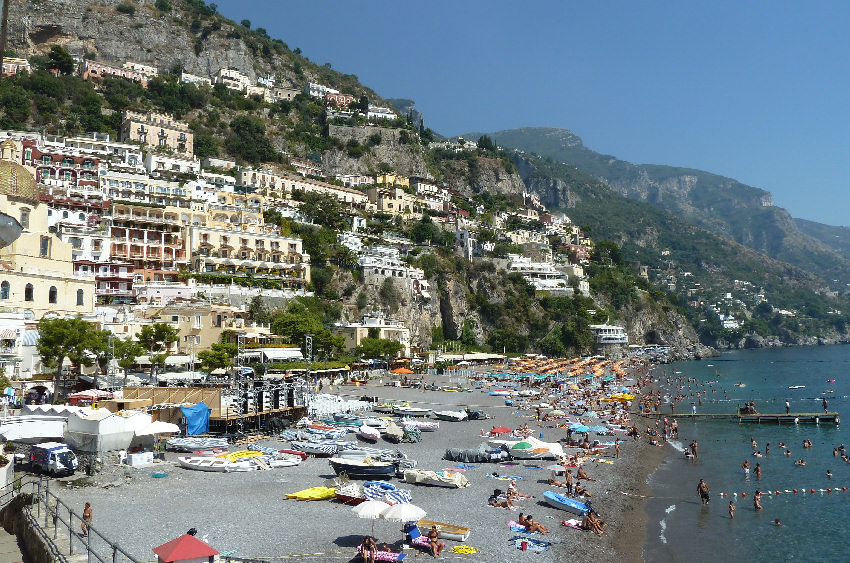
x: 774, y: 418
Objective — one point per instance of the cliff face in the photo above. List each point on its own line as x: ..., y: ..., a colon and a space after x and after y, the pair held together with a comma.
x: 478, y: 174
x: 405, y: 158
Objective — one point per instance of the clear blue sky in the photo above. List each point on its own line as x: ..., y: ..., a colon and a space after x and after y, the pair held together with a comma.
x: 757, y: 91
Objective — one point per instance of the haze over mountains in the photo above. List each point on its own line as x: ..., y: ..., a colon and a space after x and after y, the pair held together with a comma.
x: 736, y: 211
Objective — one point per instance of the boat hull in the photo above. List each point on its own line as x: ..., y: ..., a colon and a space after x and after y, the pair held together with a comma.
x: 360, y: 470
x: 564, y: 503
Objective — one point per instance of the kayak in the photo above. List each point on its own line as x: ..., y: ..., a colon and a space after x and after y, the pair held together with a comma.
x: 313, y: 493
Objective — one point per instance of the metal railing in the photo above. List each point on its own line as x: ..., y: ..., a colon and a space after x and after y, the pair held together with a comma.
x: 48, y: 510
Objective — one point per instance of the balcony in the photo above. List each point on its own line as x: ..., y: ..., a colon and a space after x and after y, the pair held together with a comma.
x: 114, y: 291
x: 8, y: 350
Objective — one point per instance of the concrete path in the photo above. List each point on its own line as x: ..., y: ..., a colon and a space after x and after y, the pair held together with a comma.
x: 9, y: 550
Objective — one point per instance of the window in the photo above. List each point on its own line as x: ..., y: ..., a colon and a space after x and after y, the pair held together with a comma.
x: 45, y: 247
x: 197, y: 321
x: 28, y: 292
x: 79, y: 298
x: 4, y: 290
x: 25, y: 218
x: 52, y: 294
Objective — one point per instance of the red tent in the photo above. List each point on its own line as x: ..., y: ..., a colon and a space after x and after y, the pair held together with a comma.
x: 183, y: 548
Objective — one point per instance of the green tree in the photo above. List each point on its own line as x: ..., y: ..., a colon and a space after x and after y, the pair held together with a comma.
x: 248, y: 140
x: 163, y: 5
x: 246, y: 23
x: 157, y: 339
x: 219, y: 356
x: 61, y: 60
x: 126, y: 8
x: 378, y: 348
x: 257, y: 310
x: 126, y: 351
x: 63, y: 338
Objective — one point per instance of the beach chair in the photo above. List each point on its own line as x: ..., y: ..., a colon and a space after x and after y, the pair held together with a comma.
x: 417, y: 540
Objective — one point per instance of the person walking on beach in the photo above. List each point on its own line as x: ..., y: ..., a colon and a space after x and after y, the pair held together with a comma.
x: 84, y: 525
x: 731, y: 510
x: 694, y: 449
x: 616, y: 450
x: 702, y: 490
x: 787, y: 407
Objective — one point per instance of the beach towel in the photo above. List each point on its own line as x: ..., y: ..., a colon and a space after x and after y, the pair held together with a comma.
x: 572, y: 523
x: 464, y: 549
x: 517, y: 527
x: 533, y: 467
x: 505, y: 477
x: 384, y: 555
x: 538, y: 546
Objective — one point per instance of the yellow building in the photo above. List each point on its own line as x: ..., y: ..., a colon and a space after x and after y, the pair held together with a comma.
x: 392, y: 180
x: 36, y: 268
x: 394, y: 201
x: 157, y: 130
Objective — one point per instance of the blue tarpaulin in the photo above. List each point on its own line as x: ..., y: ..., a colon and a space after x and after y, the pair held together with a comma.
x: 197, y: 419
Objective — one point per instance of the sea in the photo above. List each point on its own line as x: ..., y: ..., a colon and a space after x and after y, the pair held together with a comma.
x: 814, y: 525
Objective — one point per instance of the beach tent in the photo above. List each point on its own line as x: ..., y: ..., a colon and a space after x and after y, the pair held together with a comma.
x: 197, y: 419
x: 185, y: 548
x: 101, y: 430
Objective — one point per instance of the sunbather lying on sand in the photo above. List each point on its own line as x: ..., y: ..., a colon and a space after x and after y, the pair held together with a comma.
x: 579, y: 491
x: 496, y: 500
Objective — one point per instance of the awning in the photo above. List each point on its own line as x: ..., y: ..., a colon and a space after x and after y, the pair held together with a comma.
x: 282, y: 353
x: 9, y: 334
x: 425, y: 294
x: 173, y: 360
x: 158, y: 427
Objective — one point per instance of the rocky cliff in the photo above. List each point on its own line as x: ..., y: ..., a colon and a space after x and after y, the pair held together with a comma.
x: 403, y: 153
x: 199, y: 43
x: 477, y: 174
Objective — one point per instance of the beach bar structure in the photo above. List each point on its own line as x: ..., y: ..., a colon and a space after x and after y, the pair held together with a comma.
x: 256, y: 404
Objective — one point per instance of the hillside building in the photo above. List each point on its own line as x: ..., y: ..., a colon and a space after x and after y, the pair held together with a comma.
x: 157, y: 130
x: 387, y: 329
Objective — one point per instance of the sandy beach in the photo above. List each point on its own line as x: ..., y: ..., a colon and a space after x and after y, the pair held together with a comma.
x: 248, y: 515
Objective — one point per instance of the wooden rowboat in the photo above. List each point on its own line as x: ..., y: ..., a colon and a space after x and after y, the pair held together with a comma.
x: 447, y: 531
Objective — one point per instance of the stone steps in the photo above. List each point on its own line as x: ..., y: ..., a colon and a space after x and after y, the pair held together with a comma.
x: 9, y: 550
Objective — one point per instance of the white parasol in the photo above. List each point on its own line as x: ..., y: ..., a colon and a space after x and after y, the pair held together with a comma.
x: 404, y: 513
x: 371, y: 509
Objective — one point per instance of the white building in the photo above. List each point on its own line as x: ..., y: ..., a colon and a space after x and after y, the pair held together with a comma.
x: 379, y: 112
x: 352, y: 180
x: 118, y: 155
x: 319, y: 90
x: 609, y: 334
x: 12, y: 330
x: 215, y: 162
x: 147, y: 70
x: 233, y: 79
x: 172, y: 163
x: 195, y: 79
x: 542, y: 275
x: 387, y: 329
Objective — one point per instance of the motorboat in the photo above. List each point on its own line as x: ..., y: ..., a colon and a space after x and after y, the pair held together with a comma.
x: 411, y: 411
x: 386, y: 408
x: 451, y: 416
x: 375, y: 423
x: 565, y: 503
x: 346, y: 417
x: 449, y: 479
x: 797, y: 387
x: 316, y: 448
x: 369, y: 433
x: 362, y: 468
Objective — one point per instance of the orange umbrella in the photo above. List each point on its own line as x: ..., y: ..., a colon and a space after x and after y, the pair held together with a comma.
x: 403, y: 370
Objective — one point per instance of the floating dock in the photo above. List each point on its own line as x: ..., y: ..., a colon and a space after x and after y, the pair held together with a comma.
x: 772, y: 418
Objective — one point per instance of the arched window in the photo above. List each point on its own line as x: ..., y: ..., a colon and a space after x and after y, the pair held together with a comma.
x: 51, y: 295
x: 28, y: 292
x: 79, y: 297
x: 4, y: 290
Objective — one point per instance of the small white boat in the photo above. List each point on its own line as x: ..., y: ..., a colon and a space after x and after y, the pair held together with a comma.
x: 214, y: 464
x: 369, y: 433
x: 421, y: 425
x: 411, y: 411
x: 375, y: 423
x: 284, y: 460
x: 452, y: 416
x: 797, y: 387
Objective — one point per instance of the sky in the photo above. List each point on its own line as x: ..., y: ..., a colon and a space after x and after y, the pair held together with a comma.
x: 756, y: 91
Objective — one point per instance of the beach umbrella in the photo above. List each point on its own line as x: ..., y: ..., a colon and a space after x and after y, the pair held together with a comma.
x: 402, y: 371
x: 608, y: 378
x: 404, y: 513
x: 581, y: 428
x: 522, y: 446
x: 372, y: 510
x: 500, y: 430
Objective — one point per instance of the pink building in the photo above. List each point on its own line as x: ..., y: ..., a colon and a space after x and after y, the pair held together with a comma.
x: 12, y: 65
x: 99, y: 70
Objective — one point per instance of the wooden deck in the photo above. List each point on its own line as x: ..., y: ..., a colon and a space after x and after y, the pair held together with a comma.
x: 773, y: 418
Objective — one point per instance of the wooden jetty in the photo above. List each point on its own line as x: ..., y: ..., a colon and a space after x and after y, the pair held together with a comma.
x: 774, y: 418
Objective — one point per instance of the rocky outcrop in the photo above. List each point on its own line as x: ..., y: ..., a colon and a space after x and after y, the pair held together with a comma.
x: 553, y: 192
x: 478, y: 174
x: 405, y: 157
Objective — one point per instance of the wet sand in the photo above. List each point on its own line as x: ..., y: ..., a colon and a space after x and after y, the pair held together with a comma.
x: 247, y: 512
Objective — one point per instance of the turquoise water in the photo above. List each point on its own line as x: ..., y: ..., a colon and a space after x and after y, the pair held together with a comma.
x: 681, y: 529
